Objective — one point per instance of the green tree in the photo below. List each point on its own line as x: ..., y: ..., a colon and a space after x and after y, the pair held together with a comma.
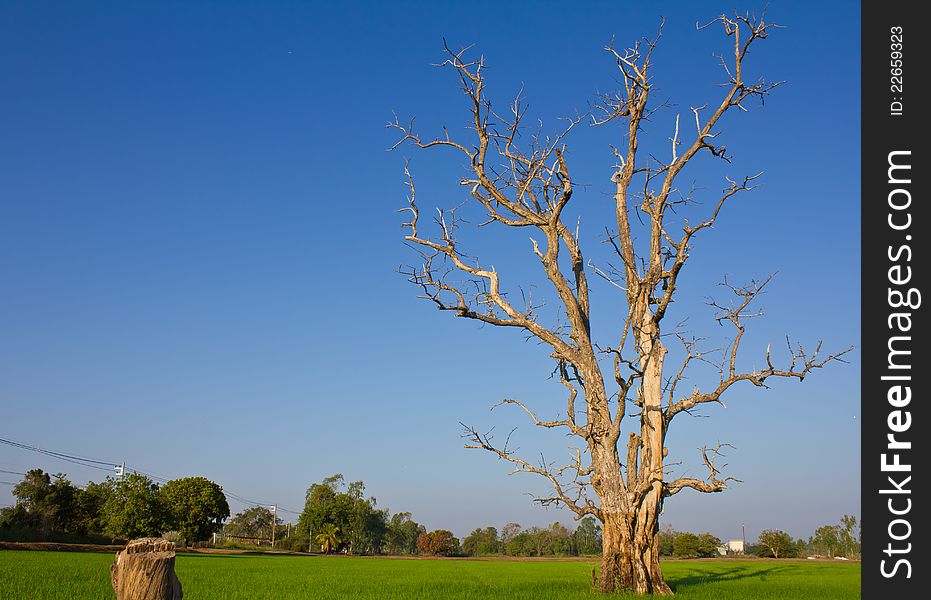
x: 253, y: 522
x: 708, y: 545
x: 827, y: 540
x: 363, y: 526
x: 402, y: 533
x: 33, y: 491
x: 587, y: 537
x: 195, y: 506
x: 849, y: 534
x: 776, y: 542
x: 539, y: 539
x: 521, y: 544
x: 509, y: 532
x: 14, y: 517
x: 690, y: 545
x: 47, y: 504
x: 132, y: 507
x: 367, y: 527
x: 667, y: 537
x: 559, y: 540
x: 328, y: 538
x: 481, y: 542
x: 89, y: 507
x: 324, y: 504
x: 685, y: 545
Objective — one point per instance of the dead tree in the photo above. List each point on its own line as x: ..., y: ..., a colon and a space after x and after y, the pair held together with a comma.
x: 145, y: 570
x: 526, y: 187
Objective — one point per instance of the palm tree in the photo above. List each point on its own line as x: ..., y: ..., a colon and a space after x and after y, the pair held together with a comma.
x: 328, y: 538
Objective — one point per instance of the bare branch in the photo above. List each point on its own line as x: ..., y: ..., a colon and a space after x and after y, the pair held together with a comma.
x: 712, y: 484
x: 568, y: 423
x: 692, y: 353
x: 578, y: 504
x: 800, y: 365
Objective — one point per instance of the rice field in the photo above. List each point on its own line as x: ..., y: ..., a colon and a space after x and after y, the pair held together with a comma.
x: 85, y: 575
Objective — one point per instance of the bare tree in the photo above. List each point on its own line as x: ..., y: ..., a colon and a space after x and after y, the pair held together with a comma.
x: 527, y: 187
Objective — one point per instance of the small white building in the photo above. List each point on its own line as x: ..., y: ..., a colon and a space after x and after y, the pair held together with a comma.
x: 731, y: 547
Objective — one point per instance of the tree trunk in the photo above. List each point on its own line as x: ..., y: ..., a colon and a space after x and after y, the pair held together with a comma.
x: 145, y: 570
x: 630, y: 554
x: 630, y: 534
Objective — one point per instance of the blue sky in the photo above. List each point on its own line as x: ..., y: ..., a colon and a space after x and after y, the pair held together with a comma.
x: 199, y: 244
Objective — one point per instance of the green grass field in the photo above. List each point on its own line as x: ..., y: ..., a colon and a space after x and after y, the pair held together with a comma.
x: 73, y: 575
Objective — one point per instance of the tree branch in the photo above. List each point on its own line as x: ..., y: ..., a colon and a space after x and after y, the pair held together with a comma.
x: 712, y: 484
x: 801, y: 363
x: 578, y: 504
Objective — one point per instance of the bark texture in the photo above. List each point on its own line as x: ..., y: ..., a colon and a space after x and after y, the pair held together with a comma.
x: 145, y: 570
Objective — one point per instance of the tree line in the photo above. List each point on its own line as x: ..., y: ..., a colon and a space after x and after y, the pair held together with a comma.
x: 337, y: 517
x: 829, y: 541
x: 555, y: 540
x: 50, y: 507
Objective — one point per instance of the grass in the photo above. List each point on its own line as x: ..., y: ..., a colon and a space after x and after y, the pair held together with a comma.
x: 81, y: 575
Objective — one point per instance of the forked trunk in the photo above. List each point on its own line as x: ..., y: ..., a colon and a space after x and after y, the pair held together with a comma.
x: 630, y: 536
x: 630, y: 554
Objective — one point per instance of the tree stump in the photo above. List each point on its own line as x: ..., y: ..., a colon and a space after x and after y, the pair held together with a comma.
x: 145, y: 570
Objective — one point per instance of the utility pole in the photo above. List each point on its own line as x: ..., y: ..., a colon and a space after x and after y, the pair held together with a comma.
x: 743, y: 533
x: 274, y: 508
x: 120, y: 469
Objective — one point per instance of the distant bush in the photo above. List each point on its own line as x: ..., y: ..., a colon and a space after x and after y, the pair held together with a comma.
x: 18, y: 534
x: 440, y: 542
x: 690, y: 545
x: 296, y: 542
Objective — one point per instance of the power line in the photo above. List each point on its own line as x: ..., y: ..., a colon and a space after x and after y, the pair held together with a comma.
x: 78, y: 460
x: 226, y: 492
x: 243, y: 500
x: 156, y: 478
x: 230, y: 494
x: 114, y: 465
x: 54, y: 453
